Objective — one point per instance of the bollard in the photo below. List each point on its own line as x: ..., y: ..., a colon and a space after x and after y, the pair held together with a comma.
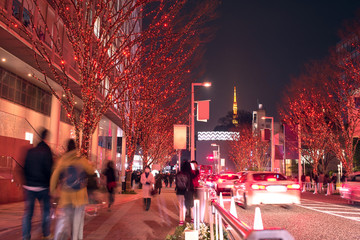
x: 221, y: 200
x: 233, y: 207
x: 328, y: 190
x: 191, y: 235
x: 196, y: 214
x: 258, y: 224
x: 315, y: 189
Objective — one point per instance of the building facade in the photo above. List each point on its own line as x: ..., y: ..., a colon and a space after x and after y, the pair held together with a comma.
x: 27, y: 104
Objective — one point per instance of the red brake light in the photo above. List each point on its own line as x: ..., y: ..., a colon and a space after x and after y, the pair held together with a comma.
x: 293, y: 186
x: 220, y: 180
x: 257, y: 187
x: 271, y: 179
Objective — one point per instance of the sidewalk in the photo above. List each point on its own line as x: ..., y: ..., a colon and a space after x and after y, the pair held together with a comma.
x: 126, y: 220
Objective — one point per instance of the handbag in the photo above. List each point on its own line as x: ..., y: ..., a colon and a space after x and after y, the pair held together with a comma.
x: 153, y: 191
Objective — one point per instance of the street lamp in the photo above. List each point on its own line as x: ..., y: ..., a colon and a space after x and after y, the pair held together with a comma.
x: 204, y: 84
x: 218, y: 155
x: 272, y: 142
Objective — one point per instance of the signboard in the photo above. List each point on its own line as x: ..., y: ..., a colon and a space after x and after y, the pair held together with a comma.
x: 180, y: 136
x: 203, y: 110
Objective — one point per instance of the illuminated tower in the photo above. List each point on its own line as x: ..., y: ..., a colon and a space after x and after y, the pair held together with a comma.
x: 235, y: 121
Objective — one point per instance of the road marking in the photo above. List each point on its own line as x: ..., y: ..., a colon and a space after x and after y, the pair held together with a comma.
x: 332, y: 209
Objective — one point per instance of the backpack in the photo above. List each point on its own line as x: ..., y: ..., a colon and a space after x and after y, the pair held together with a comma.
x: 73, y: 178
x: 182, y: 181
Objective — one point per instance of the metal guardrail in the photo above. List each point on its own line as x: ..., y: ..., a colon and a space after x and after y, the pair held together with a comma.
x: 215, y: 215
x: 240, y: 230
x: 9, y: 168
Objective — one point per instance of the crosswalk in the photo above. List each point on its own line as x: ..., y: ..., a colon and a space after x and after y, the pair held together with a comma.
x: 343, y: 211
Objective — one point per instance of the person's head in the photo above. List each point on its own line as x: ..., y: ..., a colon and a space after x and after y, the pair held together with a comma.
x: 71, y: 145
x: 186, y: 167
x: 147, y: 169
x: 44, y: 134
x: 110, y: 164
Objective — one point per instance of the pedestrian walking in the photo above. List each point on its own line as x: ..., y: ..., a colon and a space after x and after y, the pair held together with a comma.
x: 71, y: 175
x: 166, y: 180
x: 37, y: 173
x: 333, y: 182
x: 171, y: 179
x: 158, y: 182
x: 316, y: 183
x: 183, y: 184
x: 147, y: 181
x: 321, y: 182
x: 307, y: 183
x: 109, y: 173
x: 327, y: 184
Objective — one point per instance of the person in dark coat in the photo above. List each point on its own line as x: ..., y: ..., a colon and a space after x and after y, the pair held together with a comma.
x: 166, y: 180
x: 37, y: 173
x: 110, y: 181
x: 183, y: 184
x: 171, y: 179
x: 158, y: 182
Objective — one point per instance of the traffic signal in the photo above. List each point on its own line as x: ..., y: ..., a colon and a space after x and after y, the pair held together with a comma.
x: 210, y: 157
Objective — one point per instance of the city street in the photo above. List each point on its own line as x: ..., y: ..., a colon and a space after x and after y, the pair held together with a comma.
x: 317, y: 217
x: 126, y: 220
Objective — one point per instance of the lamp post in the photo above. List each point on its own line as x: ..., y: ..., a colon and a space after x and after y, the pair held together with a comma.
x: 272, y: 142
x: 204, y: 84
x: 218, y: 155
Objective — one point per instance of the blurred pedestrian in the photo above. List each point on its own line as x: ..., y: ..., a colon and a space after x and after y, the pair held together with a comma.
x: 109, y: 173
x: 71, y: 174
x: 183, y: 183
x: 307, y: 183
x: 316, y: 183
x: 171, y: 179
x: 166, y: 180
x: 195, y: 174
x: 333, y: 182
x: 321, y: 182
x: 37, y: 173
x: 189, y: 194
x: 158, y: 182
x: 147, y: 181
x: 327, y: 184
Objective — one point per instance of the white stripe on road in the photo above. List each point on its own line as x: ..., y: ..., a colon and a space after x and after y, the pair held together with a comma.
x: 318, y: 206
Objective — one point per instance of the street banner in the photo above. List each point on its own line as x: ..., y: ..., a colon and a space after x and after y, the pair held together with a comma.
x: 180, y: 136
x: 279, y: 152
x: 291, y: 143
x: 203, y: 110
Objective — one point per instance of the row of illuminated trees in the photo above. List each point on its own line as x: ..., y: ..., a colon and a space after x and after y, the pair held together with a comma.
x: 135, y: 56
x: 322, y: 105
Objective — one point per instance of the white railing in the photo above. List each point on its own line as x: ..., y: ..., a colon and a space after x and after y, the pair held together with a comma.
x: 209, y: 210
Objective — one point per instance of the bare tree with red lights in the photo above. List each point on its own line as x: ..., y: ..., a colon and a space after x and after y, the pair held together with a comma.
x: 305, y: 106
x: 248, y: 151
x: 95, y: 50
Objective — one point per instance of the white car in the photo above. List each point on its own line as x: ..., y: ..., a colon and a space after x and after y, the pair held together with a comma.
x: 225, y: 182
x: 255, y: 188
x: 350, y: 190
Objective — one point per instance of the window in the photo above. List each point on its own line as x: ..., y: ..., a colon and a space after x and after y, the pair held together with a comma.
x: 20, y: 91
x: 357, y: 102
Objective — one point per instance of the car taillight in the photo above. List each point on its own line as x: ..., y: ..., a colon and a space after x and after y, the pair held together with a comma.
x: 257, y: 187
x: 293, y: 186
x: 220, y: 180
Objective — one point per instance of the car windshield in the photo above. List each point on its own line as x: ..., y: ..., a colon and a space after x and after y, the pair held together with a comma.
x: 229, y: 177
x: 268, y: 177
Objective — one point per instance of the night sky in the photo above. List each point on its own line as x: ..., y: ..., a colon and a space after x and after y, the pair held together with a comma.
x: 259, y: 45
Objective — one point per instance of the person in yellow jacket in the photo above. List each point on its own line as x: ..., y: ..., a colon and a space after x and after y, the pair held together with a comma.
x: 70, y: 175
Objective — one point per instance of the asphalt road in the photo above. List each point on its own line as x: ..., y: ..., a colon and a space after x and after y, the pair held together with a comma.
x: 318, y: 217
